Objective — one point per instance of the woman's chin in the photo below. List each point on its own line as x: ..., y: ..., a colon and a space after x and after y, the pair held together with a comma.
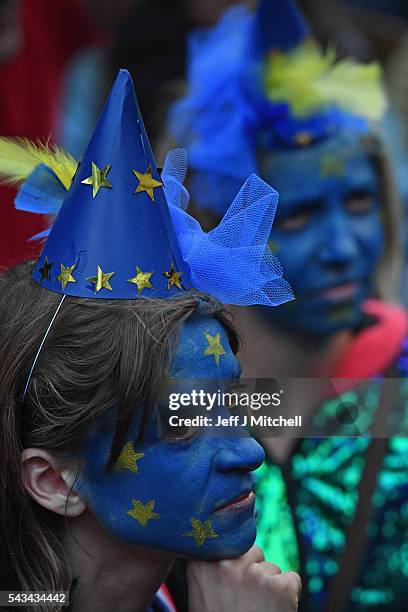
x: 225, y: 546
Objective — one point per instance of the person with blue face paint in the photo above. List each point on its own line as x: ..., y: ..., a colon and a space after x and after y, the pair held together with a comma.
x: 100, y: 493
x: 169, y: 491
x: 269, y: 100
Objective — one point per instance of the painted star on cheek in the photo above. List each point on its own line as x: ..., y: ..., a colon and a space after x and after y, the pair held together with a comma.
x: 146, y: 182
x: 214, y: 347
x: 143, y: 513
x: 98, y: 179
x: 127, y: 459
x: 66, y: 276
x: 201, y: 531
x: 101, y: 280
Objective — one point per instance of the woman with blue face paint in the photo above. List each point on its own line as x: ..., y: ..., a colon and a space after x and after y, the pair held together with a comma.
x: 96, y: 517
x: 271, y: 101
x: 100, y: 493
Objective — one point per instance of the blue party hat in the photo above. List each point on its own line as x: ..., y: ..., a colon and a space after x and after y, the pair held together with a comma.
x: 113, y: 237
x: 278, y: 26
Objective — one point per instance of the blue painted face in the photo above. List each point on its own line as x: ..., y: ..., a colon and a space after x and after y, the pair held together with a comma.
x: 171, y: 491
x: 327, y: 234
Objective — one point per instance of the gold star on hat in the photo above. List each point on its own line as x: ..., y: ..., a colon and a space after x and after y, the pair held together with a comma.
x: 142, y: 280
x: 66, y: 275
x: 146, y: 182
x: 127, y: 459
x: 143, y: 513
x: 201, y: 531
x: 45, y: 270
x: 98, y: 179
x: 101, y: 280
x: 214, y: 347
x: 173, y: 278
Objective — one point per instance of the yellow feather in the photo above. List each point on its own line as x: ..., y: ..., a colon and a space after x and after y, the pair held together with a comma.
x: 19, y: 157
x: 309, y: 80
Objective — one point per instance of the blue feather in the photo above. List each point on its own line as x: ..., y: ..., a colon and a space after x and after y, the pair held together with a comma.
x: 41, y: 193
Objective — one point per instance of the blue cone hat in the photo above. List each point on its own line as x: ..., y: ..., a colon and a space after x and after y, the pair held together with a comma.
x: 113, y: 237
x: 278, y: 26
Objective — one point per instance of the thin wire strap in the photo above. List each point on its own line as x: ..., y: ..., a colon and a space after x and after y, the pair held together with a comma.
x: 40, y: 347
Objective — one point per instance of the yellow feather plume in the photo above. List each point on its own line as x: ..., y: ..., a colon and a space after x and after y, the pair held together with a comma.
x: 309, y: 80
x: 19, y: 157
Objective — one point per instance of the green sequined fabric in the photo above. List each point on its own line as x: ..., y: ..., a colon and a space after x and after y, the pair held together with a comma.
x: 323, y: 476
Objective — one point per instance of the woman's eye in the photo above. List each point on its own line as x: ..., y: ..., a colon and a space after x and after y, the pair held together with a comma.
x: 298, y: 219
x: 360, y: 202
x: 176, y: 425
x: 233, y: 395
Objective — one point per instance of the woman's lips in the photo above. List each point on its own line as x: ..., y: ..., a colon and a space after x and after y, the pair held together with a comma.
x: 239, y: 503
x: 341, y: 292
x: 336, y: 293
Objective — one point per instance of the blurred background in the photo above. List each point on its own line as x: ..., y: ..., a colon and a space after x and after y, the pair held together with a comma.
x: 59, y: 59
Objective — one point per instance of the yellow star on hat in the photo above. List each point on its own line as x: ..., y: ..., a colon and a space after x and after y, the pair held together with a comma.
x: 101, y: 280
x: 173, y: 277
x: 141, y: 280
x: 66, y: 275
x: 45, y: 269
x: 98, y: 179
x: 146, y: 182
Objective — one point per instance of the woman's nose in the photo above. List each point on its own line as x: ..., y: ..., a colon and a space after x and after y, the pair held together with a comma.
x: 340, y: 246
x: 244, y: 454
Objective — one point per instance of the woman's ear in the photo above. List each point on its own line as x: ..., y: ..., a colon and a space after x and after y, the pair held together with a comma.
x: 50, y: 485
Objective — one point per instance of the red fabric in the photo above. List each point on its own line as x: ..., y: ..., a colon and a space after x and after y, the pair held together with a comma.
x: 374, y: 349
x: 167, y: 596
x: 30, y: 84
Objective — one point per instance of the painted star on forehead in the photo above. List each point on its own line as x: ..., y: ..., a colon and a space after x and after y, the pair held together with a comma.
x: 45, y: 270
x: 146, y: 182
x: 98, y: 179
x: 66, y: 275
x: 332, y: 165
x: 201, y: 531
x: 303, y: 139
x: 143, y: 513
x: 173, y: 277
x: 214, y: 346
x: 101, y: 280
x: 141, y: 280
x: 128, y: 459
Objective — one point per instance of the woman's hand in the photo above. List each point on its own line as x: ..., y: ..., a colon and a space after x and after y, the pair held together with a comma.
x: 239, y: 585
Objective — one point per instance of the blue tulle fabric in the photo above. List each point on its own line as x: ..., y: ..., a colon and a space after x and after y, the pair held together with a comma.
x: 232, y: 262
x: 225, y: 118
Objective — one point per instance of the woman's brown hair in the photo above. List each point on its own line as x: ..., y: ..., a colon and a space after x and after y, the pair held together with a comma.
x: 98, y: 354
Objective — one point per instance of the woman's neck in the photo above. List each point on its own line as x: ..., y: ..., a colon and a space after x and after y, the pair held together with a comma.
x: 112, y: 575
x: 269, y: 352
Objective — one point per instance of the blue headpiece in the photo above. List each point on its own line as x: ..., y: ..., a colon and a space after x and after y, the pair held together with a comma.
x: 114, y: 224
x: 122, y: 231
x: 258, y: 80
